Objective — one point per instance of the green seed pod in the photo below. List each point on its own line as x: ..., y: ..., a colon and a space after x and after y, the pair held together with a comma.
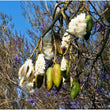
x: 89, y: 23
x: 49, y: 78
x: 65, y: 73
x: 74, y: 90
x: 56, y: 75
x: 38, y: 81
x: 107, y: 13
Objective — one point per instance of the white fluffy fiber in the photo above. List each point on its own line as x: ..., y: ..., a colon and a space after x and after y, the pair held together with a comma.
x: 63, y: 64
x: 65, y: 40
x: 40, y: 65
x: 26, y: 75
x: 48, y: 46
x: 77, y: 26
x: 26, y: 69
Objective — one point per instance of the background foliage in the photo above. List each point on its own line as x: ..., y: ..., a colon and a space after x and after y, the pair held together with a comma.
x: 89, y: 60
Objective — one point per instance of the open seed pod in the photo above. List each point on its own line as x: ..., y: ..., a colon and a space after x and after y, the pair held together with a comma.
x: 48, y: 46
x: 56, y: 75
x: 66, y: 72
x: 49, y: 82
x: 58, y: 45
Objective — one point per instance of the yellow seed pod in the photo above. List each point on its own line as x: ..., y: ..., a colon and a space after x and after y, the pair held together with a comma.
x: 49, y: 78
x: 56, y: 75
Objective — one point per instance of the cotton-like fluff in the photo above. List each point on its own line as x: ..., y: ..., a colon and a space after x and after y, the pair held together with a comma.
x: 65, y: 40
x: 26, y: 75
x: 27, y: 84
x: 77, y: 26
x: 40, y: 65
x: 47, y: 46
x: 63, y: 64
x: 26, y: 69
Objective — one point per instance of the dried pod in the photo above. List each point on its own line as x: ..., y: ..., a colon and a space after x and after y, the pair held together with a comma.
x: 56, y: 75
x: 58, y: 45
x: 49, y: 78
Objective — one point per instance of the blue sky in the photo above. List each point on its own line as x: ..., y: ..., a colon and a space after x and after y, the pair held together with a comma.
x: 13, y: 8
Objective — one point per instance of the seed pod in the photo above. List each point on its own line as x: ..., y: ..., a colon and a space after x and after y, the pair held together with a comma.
x: 56, y: 75
x: 58, y: 44
x: 89, y: 26
x: 49, y: 78
x: 38, y: 81
x: 65, y: 73
x: 74, y: 90
x: 60, y: 51
x: 89, y: 23
x: 47, y: 46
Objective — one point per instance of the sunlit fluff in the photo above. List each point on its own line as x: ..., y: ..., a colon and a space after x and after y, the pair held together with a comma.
x: 40, y: 65
x: 47, y: 46
x: 77, y: 26
x: 65, y: 40
x: 27, y: 86
x: 26, y: 75
x: 63, y: 64
x: 26, y: 69
x: 48, y: 51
